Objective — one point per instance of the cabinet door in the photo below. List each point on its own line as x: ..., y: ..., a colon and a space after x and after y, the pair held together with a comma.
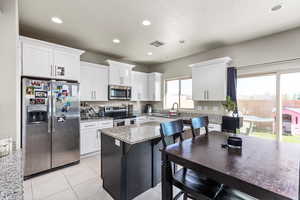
x: 144, y: 87
x: 135, y: 86
x: 37, y: 61
x: 125, y: 76
x: 86, y: 85
x: 201, y: 81
x: 89, y: 141
x: 114, y: 76
x: 67, y: 65
x: 93, y: 82
x: 218, y: 87
x: 100, y: 83
x: 154, y: 87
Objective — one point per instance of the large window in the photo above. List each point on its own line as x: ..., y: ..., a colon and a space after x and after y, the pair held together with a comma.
x: 270, y: 105
x: 179, y: 91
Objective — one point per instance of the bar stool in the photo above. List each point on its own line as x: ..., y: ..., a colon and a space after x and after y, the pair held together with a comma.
x: 192, y: 184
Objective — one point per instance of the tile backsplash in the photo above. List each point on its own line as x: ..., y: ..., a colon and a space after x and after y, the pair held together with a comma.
x: 137, y: 106
x: 205, y: 107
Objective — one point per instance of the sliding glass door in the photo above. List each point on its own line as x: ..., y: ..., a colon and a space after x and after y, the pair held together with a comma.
x: 257, y: 102
x: 290, y: 107
x: 270, y: 105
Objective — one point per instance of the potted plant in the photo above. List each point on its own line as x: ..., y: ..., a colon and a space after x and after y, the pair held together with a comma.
x: 230, y: 106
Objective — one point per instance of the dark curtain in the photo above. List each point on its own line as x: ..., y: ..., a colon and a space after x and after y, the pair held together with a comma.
x: 232, y: 84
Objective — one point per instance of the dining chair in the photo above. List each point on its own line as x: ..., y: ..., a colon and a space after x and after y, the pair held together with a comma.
x: 198, y: 123
x: 192, y: 184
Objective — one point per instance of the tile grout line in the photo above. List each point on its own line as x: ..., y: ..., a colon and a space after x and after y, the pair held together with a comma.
x: 58, y: 171
x: 77, y: 197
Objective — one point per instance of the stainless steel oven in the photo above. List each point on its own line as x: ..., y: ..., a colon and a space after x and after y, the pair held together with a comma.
x: 116, y: 92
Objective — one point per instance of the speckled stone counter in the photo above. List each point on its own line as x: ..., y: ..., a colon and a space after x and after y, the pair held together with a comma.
x: 134, y: 134
x: 11, y: 176
x: 95, y: 119
x: 213, y: 118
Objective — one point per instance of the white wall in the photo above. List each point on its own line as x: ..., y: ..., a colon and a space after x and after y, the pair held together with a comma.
x: 277, y: 47
x: 9, y: 72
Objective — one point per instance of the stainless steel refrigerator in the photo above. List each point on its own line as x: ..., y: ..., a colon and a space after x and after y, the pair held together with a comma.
x: 50, y: 124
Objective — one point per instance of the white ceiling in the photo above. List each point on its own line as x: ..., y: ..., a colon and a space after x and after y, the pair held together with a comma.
x: 203, y: 24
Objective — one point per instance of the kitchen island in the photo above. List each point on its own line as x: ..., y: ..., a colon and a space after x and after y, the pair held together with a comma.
x: 130, y: 159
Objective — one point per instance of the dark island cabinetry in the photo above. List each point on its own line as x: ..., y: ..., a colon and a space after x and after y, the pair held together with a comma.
x: 128, y: 170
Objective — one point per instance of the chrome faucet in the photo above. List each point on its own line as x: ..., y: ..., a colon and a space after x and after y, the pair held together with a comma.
x: 173, y: 111
x: 173, y: 107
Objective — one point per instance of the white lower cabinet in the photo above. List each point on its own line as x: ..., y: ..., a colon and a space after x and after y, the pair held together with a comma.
x: 90, y: 135
x: 89, y: 141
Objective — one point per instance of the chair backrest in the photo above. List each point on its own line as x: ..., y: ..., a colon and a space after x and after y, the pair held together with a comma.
x: 231, y: 124
x: 170, y: 131
x: 199, y: 122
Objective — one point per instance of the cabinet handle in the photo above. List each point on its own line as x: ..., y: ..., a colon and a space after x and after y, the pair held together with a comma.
x: 204, y: 94
x: 95, y: 94
x: 207, y: 94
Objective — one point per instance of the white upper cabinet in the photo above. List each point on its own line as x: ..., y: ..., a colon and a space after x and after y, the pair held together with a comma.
x: 93, y: 82
x: 210, y: 79
x: 66, y: 65
x: 120, y: 73
x: 139, y: 86
x: 37, y: 60
x: 146, y: 86
x: 154, y: 86
x: 47, y: 60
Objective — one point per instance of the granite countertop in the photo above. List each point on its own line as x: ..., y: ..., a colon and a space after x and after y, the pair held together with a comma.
x: 95, y: 119
x: 134, y: 134
x: 213, y: 118
x: 11, y: 176
x: 137, y: 133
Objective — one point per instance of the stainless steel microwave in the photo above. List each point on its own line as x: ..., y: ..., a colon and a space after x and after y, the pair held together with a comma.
x: 117, y: 92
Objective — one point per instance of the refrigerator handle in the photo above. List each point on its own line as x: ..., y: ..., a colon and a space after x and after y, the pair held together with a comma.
x: 53, y: 109
x: 49, y: 118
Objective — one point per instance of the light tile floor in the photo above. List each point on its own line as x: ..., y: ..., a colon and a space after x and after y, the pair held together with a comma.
x: 79, y: 182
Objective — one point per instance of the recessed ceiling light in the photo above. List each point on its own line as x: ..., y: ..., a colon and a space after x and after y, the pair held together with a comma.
x: 149, y: 53
x: 277, y: 7
x: 56, y: 20
x: 116, y: 41
x: 146, y: 23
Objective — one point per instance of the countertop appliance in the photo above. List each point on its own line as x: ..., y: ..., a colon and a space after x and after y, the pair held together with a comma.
x: 122, y: 115
x: 116, y: 92
x: 148, y: 109
x: 50, y: 124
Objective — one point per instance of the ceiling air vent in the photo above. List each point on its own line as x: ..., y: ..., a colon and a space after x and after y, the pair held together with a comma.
x: 157, y: 43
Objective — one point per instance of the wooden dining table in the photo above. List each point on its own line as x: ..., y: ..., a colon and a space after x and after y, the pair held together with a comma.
x: 264, y: 169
